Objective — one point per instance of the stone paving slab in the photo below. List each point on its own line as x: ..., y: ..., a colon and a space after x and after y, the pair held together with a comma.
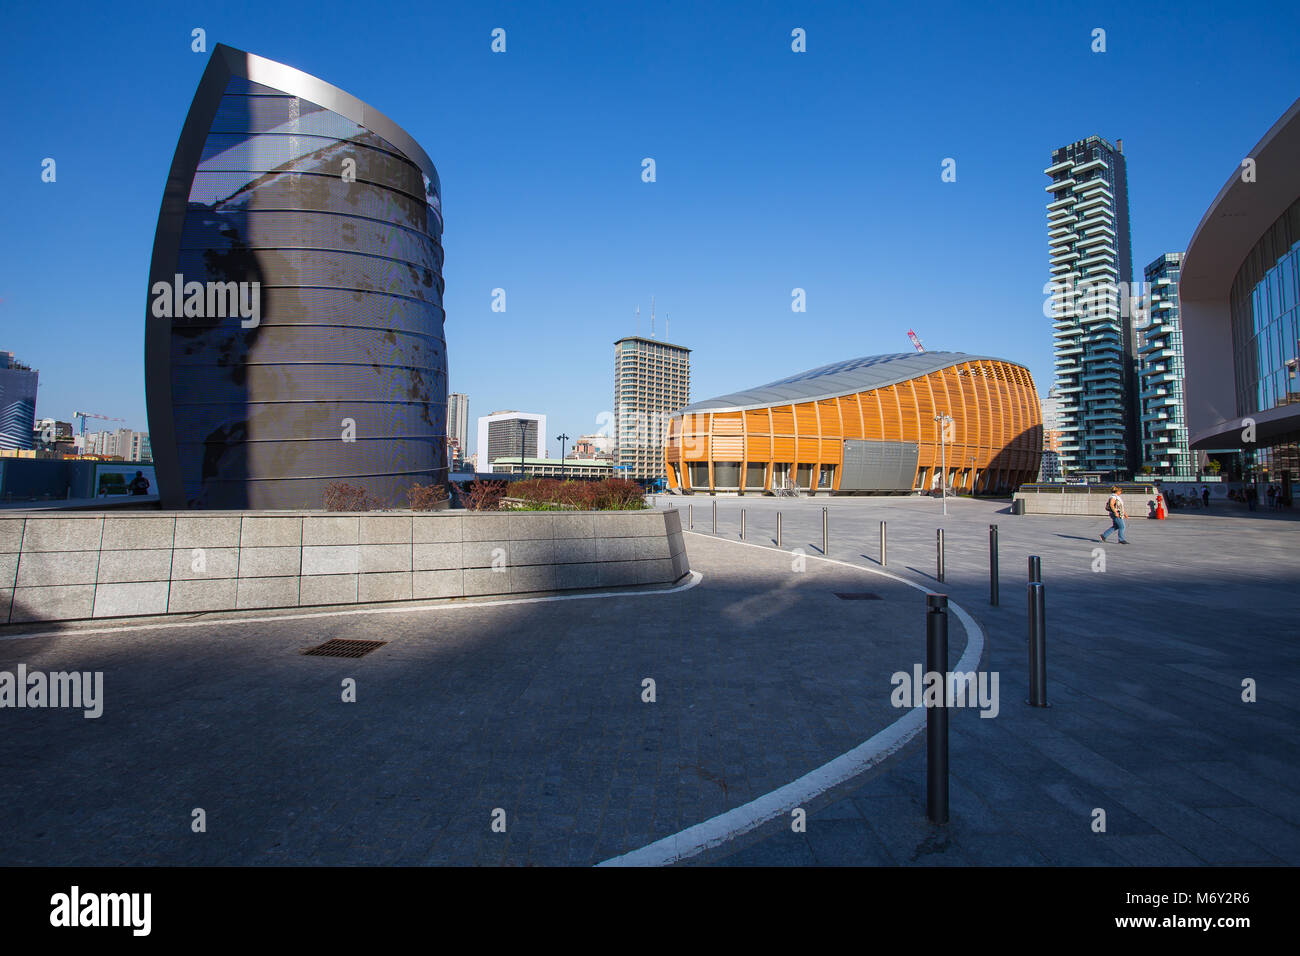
x: 1145, y: 664
x: 762, y: 674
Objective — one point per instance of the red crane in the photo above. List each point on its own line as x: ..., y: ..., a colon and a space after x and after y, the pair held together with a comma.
x: 916, y: 340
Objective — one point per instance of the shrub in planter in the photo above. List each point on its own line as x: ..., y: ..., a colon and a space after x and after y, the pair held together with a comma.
x: 425, y: 497
x: 484, y: 495
x: 611, y: 494
x: 340, y: 496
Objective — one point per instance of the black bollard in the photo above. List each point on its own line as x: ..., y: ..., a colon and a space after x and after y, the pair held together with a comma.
x: 715, y: 515
x: 883, y: 562
x: 936, y: 718
x: 826, y: 532
x: 1037, y: 644
x: 993, y: 565
x: 778, y: 529
x: 742, y: 524
x: 939, y: 551
x: 1035, y: 568
x: 690, y: 517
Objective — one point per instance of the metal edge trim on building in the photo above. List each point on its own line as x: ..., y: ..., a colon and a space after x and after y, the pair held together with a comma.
x: 961, y: 358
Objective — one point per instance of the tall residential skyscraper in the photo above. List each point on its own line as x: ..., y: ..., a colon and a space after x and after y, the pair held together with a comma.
x: 652, y: 380
x: 458, y: 424
x: 1091, y: 285
x: 1164, y: 415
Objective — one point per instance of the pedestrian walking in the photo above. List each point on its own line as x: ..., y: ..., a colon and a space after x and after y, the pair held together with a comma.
x: 1205, y: 496
x: 1118, y: 516
x: 1272, y: 497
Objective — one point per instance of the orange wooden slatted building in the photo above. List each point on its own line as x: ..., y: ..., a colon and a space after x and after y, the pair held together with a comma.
x: 864, y: 426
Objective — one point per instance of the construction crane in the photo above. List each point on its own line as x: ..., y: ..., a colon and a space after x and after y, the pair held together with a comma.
x: 916, y: 340
x: 84, y: 415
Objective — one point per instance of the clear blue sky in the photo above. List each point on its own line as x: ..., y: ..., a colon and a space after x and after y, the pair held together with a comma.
x: 775, y: 170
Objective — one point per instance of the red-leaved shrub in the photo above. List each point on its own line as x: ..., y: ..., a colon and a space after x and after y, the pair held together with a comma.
x: 610, y: 494
x: 340, y: 496
x: 425, y: 497
x: 484, y: 495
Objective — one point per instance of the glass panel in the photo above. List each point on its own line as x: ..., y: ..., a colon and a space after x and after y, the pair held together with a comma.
x: 726, y: 474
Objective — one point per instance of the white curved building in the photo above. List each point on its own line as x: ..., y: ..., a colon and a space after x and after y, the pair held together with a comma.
x: 1240, y: 302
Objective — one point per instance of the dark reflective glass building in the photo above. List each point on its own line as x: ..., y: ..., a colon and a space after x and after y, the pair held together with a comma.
x: 304, y: 345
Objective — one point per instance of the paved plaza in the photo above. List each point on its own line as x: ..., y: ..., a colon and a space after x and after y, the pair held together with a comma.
x: 762, y: 674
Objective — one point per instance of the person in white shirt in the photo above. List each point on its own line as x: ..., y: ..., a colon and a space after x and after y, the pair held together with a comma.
x: 1118, y: 516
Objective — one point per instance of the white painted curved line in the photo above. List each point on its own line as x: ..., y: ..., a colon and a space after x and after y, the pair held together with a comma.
x: 780, y: 802
x: 694, y: 578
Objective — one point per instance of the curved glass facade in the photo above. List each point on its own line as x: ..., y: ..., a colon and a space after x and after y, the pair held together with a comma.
x: 342, y: 373
x: 1265, y: 303
x: 1265, y: 307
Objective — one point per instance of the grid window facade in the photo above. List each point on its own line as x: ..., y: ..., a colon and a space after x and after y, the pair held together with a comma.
x: 652, y: 381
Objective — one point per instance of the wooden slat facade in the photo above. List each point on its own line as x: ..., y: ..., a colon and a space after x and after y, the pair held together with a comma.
x: 995, y: 444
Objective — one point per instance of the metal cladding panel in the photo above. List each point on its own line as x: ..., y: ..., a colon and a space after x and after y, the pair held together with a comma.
x: 879, y: 465
x: 291, y: 187
x: 839, y: 378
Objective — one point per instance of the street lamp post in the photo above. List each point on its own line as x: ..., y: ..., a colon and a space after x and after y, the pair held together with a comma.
x: 944, y: 420
x: 562, y: 438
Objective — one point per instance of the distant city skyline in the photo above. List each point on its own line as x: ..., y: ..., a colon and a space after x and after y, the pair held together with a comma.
x: 761, y: 187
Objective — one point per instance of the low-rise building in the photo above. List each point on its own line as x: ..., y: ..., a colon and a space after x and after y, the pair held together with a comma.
x: 556, y: 468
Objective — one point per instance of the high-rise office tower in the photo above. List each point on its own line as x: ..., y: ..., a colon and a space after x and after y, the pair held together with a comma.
x: 458, y: 424
x: 1051, y: 466
x: 17, y: 403
x: 1091, y: 309
x: 1164, y: 416
x: 652, y: 380
x: 511, y: 435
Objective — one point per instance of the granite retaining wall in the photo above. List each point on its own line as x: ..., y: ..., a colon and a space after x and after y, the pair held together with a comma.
x: 83, y: 566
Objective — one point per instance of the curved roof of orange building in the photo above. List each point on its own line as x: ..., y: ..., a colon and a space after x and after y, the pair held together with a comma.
x: 839, y: 378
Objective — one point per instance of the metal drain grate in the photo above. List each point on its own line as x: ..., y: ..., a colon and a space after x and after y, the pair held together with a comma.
x: 857, y: 596
x: 342, y: 647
